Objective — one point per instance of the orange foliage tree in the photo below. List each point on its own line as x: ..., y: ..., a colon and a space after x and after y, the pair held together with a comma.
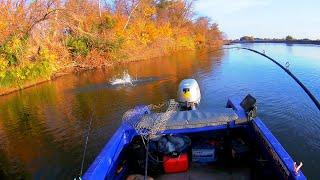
x: 48, y: 35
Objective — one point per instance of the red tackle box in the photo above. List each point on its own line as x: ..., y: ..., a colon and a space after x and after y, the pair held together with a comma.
x: 176, y: 164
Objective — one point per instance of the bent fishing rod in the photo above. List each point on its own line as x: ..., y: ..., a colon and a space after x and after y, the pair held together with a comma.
x: 306, y: 90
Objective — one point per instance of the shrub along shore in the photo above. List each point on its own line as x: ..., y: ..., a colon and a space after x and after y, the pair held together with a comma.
x: 41, y: 40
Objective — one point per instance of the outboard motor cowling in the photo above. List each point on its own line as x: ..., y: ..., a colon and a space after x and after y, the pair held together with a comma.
x: 189, y: 95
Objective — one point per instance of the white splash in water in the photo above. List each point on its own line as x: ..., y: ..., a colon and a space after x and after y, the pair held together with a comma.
x: 125, y: 79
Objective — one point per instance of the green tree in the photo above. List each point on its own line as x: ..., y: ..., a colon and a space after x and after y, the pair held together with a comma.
x: 247, y: 38
x: 289, y: 38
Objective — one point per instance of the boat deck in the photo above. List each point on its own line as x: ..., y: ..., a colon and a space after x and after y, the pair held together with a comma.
x: 209, y: 172
x: 187, y: 119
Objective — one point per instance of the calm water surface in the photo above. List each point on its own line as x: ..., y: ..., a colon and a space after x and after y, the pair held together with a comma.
x: 42, y: 129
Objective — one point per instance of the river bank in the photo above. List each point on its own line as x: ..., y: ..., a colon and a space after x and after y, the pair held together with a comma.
x: 9, y: 90
x: 62, y: 72
x: 85, y: 67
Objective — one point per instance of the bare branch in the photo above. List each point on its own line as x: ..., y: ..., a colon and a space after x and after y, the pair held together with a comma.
x: 129, y: 17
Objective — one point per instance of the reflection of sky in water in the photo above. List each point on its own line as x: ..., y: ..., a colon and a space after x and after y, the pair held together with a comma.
x: 289, y: 51
x: 304, y: 61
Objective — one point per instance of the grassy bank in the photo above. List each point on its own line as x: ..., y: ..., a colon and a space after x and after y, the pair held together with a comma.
x: 45, y: 38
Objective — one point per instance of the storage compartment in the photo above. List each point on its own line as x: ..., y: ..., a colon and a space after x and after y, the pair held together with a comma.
x: 176, y: 164
x: 240, y: 150
x: 221, y: 154
x: 204, y: 153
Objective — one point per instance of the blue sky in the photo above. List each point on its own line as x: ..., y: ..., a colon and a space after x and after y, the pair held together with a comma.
x: 264, y: 18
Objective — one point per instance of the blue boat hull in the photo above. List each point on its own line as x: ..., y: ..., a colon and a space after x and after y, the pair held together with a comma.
x: 106, y: 164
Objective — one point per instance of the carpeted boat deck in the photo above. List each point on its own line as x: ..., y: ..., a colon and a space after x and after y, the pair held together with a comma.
x: 209, y: 172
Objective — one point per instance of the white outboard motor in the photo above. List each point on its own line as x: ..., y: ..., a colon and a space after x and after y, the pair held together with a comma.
x: 189, y: 95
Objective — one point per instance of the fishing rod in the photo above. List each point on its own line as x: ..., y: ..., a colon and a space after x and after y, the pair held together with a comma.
x: 86, y: 142
x: 306, y: 90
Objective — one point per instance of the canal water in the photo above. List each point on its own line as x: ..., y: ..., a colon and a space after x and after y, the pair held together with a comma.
x: 43, y: 128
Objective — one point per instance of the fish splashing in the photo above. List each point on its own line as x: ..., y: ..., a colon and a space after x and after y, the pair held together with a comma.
x: 125, y: 79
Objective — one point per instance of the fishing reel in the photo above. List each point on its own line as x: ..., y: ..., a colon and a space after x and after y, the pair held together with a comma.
x: 249, y: 106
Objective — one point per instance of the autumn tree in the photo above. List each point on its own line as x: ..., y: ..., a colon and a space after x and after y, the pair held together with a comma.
x: 49, y: 35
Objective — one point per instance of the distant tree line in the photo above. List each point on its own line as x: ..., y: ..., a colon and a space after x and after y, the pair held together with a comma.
x: 287, y: 38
